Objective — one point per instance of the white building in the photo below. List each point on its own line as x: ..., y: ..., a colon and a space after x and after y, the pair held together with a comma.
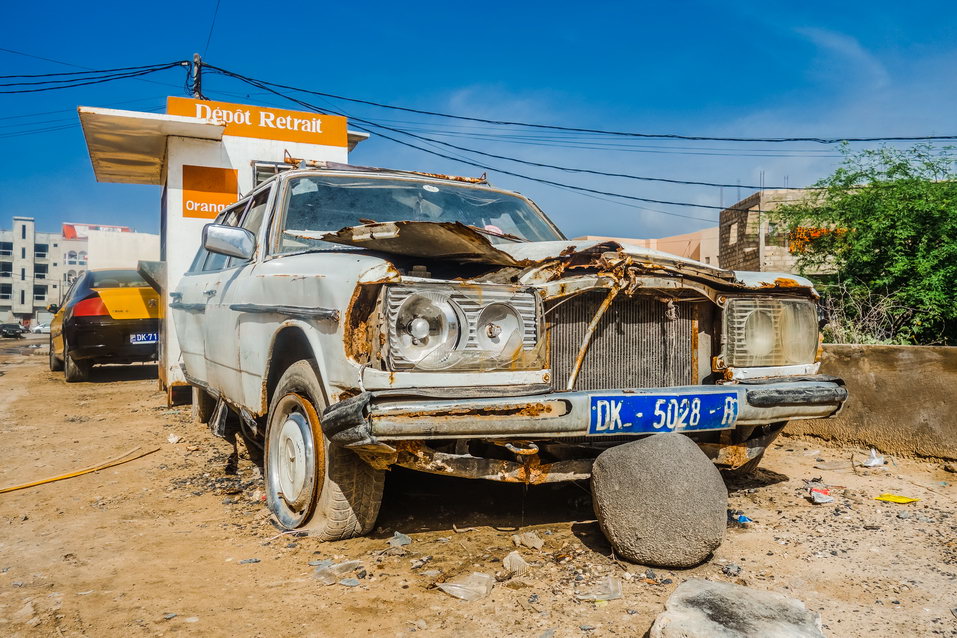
x: 36, y: 269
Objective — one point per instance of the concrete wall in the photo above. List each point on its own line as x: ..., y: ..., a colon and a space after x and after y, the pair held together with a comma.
x: 108, y: 249
x: 903, y: 399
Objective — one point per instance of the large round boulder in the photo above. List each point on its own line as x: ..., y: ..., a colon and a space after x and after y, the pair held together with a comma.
x: 660, y: 501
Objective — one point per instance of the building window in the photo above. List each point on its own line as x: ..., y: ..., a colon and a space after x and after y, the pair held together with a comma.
x: 23, y: 252
x: 6, y: 248
x: 71, y: 258
x: 39, y: 293
x: 23, y: 274
x: 6, y: 291
x: 40, y: 271
x: 6, y: 269
x: 41, y: 250
x: 22, y: 298
x: 82, y: 257
x: 23, y: 231
x: 70, y: 276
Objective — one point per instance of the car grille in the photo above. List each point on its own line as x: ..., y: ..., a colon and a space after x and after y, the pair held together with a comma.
x: 635, y: 344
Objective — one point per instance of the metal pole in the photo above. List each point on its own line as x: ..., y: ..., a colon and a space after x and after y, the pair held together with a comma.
x: 197, y: 76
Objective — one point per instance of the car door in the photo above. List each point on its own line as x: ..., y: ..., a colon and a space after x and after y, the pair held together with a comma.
x: 223, y: 346
x: 189, y: 302
x: 56, y: 324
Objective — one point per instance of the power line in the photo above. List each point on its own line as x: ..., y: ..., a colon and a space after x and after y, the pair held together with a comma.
x: 47, y: 75
x: 486, y: 167
x: 669, y: 136
x: 568, y: 169
x: 86, y: 81
x: 211, y: 25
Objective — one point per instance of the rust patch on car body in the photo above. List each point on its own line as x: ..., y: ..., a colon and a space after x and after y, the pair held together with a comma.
x: 417, y: 455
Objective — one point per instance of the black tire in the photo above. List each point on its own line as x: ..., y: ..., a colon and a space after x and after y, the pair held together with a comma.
x: 203, y: 405
x: 56, y: 364
x: 336, y: 495
x: 74, y: 370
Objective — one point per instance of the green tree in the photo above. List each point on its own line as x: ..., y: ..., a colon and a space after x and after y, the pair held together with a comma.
x: 885, y: 225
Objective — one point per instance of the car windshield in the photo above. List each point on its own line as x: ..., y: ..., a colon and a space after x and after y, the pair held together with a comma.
x: 117, y: 279
x: 327, y: 204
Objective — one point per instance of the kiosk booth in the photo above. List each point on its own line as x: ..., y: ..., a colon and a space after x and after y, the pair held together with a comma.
x: 204, y: 154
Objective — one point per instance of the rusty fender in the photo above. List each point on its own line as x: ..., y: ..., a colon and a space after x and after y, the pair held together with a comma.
x: 734, y: 455
x: 416, y: 455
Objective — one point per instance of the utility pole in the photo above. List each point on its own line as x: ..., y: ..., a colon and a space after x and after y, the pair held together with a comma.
x: 197, y: 77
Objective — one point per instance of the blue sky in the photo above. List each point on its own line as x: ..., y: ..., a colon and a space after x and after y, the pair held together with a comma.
x: 718, y: 69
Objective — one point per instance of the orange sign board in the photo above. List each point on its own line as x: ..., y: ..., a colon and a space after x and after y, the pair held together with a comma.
x: 208, y: 190
x: 265, y: 123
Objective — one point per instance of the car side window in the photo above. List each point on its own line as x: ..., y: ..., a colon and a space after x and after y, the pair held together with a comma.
x: 215, y: 261
x: 253, y: 219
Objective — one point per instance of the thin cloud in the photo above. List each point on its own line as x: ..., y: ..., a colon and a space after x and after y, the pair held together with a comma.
x: 852, y: 60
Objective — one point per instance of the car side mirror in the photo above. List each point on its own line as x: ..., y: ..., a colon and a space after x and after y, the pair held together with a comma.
x: 53, y: 308
x: 229, y: 240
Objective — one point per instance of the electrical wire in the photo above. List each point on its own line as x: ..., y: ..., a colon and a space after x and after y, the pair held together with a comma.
x: 211, y: 25
x: 474, y: 163
x: 85, y: 81
x: 669, y: 136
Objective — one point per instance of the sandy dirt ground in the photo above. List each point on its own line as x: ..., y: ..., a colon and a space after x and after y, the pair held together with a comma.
x: 162, y: 545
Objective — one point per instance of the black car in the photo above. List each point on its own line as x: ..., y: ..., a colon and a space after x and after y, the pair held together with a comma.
x: 11, y: 330
x: 108, y: 316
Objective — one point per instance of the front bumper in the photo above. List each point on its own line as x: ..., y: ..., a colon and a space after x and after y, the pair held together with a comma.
x: 366, y: 420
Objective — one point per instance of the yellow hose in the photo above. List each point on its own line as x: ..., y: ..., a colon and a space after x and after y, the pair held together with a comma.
x: 116, y: 460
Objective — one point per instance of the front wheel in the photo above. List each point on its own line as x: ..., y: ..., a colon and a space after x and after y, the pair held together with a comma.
x: 310, y: 484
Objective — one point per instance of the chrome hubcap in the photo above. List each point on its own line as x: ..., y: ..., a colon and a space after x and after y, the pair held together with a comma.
x: 292, y: 458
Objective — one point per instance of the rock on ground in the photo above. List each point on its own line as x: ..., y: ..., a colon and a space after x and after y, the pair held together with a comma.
x: 660, y: 501
x: 709, y: 609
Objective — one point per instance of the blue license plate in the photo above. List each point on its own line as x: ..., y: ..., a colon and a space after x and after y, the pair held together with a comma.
x: 649, y: 413
x: 144, y: 337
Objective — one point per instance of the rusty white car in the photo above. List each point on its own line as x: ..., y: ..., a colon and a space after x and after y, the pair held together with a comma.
x: 351, y: 320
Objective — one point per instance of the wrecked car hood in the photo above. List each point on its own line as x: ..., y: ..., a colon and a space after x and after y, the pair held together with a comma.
x: 455, y: 241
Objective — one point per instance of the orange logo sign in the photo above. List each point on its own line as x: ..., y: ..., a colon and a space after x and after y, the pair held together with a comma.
x: 265, y: 123
x: 207, y: 190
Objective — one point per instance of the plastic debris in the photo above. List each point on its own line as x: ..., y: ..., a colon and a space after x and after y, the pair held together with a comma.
x: 818, y: 493
x: 332, y: 574
x: 174, y: 438
x: 833, y: 465
x: 325, y: 562
x: 528, y: 539
x: 399, y: 539
x: 609, y: 588
x: 420, y: 562
x: 894, y: 498
x: 249, y: 561
x: 874, y: 460
x: 737, y: 518
x: 349, y: 582
x: 471, y: 587
x: 515, y: 564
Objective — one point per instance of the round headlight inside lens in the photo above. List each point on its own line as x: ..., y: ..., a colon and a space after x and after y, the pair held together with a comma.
x: 427, y: 328
x: 500, y: 330
x: 759, y: 333
x: 799, y: 332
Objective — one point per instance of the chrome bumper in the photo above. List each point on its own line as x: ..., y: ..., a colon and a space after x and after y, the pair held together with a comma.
x: 366, y: 420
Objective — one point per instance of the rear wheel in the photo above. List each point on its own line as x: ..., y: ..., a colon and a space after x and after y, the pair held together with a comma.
x: 56, y: 364
x: 310, y: 484
x: 74, y: 370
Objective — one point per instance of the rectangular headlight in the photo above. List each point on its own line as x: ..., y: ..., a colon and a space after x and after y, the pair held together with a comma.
x: 763, y: 331
x: 474, y: 327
